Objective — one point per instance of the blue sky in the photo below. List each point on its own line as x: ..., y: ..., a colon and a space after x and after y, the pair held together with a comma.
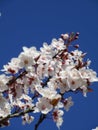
x: 30, y: 23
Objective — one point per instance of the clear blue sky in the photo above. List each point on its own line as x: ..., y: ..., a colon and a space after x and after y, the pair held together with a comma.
x: 30, y: 23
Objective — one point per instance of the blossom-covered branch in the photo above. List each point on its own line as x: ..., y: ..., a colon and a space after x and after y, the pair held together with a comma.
x: 37, y: 81
x: 5, y: 120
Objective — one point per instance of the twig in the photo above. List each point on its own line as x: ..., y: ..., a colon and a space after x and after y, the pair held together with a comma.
x: 15, y: 78
x: 41, y: 119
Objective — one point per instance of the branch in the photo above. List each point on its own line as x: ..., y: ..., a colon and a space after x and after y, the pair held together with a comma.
x: 41, y: 119
x: 17, y: 114
x: 15, y: 78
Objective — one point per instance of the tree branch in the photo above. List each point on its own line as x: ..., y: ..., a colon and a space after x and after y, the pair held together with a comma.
x: 15, y: 78
x: 41, y: 119
x: 17, y: 114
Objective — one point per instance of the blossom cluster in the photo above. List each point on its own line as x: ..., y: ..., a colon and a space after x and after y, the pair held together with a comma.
x: 37, y: 80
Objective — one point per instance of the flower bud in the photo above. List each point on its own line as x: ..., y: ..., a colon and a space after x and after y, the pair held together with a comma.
x: 64, y: 36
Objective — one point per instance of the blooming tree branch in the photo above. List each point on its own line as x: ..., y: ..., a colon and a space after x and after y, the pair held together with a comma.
x: 4, y: 120
x: 37, y: 81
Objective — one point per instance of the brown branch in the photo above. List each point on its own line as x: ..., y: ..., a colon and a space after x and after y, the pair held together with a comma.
x: 17, y: 114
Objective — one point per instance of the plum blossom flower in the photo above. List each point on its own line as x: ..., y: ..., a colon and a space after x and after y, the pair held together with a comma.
x: 28, y: 56
x: 43, y: 105
x: 71, y: 79
x: 88, y: 74
x: 31, y: 51
x: 65, y: 36
x: 46, y: 92
x: 5, y: 108
x: 85, y: 90
x: 68, y: 103
x: 57, y: 117
x: 26, y: 60
x: 27, y: 119
x: 58, y: 44
x: 77, y: 53
x: 12, y: 67
x: 24, y: 101
x: 47, y: 49
x: 3, y: 81
x: 44, y: 59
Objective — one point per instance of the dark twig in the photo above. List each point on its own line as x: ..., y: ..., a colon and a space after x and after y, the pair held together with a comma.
x: 45, y: 83
x: 41, y: 119
x: 15, y: 78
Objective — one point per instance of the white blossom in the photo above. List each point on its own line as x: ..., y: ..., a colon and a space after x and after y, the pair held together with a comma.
x: 85, y: 90
x: 28, y: 56
x: 88, y: 74
x: 71, y: 79
x: 26, y: 60
x: 46, y: 92
x: 24, y: 101
x: 58, y: 44
x: 27, y: 119
x: 13, y: 66
x: 31, y: 51
x: 57, y: 117
x: 68, y: 103
x: 77, y: 54
x: 46, y: 49
x: 65, y: 36
x: 3, y: 81
x: 44, y: 105
x: 5, y: 108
